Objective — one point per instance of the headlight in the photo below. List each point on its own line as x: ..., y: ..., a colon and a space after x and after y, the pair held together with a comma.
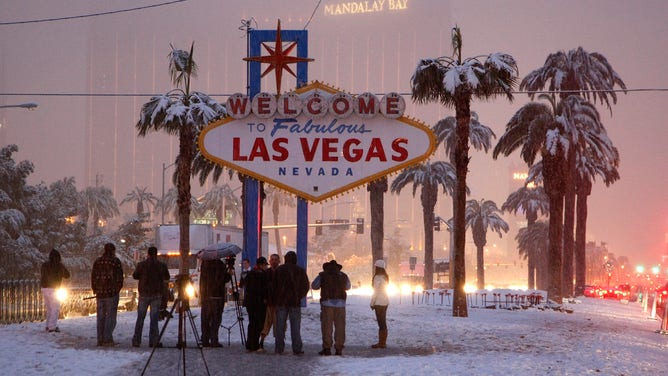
x: 61, y: 294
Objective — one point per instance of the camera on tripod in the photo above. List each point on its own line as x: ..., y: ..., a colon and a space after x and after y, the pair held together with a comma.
x: 229, y: 261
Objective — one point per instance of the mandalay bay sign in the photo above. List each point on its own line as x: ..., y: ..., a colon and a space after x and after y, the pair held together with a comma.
x: 316, y: 142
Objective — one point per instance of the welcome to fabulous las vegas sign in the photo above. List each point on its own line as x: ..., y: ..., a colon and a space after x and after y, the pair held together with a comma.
x: 316, y: 142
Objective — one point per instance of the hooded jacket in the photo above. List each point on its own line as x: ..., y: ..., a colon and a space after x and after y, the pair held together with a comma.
x: 290, y: 283
x: 53, y: 271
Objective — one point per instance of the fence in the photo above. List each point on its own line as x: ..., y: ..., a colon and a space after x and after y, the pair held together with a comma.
x: 20, y: 300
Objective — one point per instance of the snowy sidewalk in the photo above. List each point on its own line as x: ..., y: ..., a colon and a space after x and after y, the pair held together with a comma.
x: 601, y: 337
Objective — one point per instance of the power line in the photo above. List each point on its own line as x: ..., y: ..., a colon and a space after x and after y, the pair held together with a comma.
x: 90, y: 15
x: 230, y: 94
x: 312, y: 14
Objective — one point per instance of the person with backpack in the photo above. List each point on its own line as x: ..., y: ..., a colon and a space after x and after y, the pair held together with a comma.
x: 332, y: 283
x: 106, y: 280
x: 152, y: 276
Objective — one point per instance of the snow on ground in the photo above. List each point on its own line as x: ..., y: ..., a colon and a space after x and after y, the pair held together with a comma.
x: 603, y: 337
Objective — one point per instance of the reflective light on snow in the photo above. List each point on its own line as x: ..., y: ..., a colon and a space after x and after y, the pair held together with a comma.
x: 469, y: 288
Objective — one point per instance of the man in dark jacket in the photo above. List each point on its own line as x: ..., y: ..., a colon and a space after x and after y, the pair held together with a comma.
x: 152, y: 275
x: 213, y: 295
x: 106, y: 279
x: 332, y: 283
x: 255, y: 300
x: 291, y: 285
x: 53, y: 273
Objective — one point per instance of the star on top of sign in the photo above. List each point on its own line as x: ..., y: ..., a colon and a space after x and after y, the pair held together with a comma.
x: 278, y: 58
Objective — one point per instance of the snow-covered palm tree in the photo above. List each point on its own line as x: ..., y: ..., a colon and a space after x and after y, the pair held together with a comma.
x: 534, y: 240
x: 455, y: 82
x: 171, y: 206
x: 218, y: 200
x: 602, y: 162
x: 182, y: 113
x: 100, y: 204
x: 428, y: 176
x: 587, y: 75
x: 277, y: 198
x: 529, y: 201
x: 550, y: 132
x: 481, y: 216
x: 480, y: 137
x: 142, y: 198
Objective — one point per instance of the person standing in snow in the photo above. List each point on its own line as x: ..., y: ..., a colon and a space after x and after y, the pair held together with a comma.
x: 53, y: 272
x: 106, y: 280
x: 255, y: 301
x: 290, y: 286
x: 270, y: 316
x: 152, y: 275
x: 333, y: 284
x: 213, y: 296
x: 380, y: 301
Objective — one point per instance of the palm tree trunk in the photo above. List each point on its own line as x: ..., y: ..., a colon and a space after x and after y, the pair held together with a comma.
x: 531, y: 256
x: 569, y: 224
x: 428, y: 198
x: 480, y: 253
x: 377, y: 191
x: 186, y: 148
x: 583, y: 190
x: 463, y: 116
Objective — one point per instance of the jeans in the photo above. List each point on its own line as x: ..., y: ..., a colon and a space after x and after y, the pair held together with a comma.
x: 144, y: 303
x: 106, y: 319
x: 294, y: 314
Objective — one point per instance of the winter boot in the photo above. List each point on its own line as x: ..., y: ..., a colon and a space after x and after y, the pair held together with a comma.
x: 382, y: 338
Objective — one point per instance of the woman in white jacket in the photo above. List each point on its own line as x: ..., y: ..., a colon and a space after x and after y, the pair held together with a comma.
x: 380, y: 301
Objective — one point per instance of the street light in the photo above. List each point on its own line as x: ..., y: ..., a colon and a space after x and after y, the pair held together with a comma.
x: 27, y: 105
x: 162, y: 200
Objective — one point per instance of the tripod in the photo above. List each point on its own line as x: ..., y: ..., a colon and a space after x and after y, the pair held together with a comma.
x: 237, y: 306
x: 183, y: 312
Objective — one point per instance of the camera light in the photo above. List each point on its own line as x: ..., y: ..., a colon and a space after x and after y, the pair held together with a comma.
x: 61, y: 294
x: 190, y: 291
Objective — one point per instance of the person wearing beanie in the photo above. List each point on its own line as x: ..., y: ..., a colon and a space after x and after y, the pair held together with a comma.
x: 380, y: 301
x: 53, y: 272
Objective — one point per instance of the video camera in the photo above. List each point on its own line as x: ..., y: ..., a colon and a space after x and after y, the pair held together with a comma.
x: 229, y: 261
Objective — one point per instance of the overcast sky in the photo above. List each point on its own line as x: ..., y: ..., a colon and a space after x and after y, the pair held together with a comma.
x: 125, y: 53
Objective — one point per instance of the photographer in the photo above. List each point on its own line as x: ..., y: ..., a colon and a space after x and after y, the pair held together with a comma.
x: 213, y: 294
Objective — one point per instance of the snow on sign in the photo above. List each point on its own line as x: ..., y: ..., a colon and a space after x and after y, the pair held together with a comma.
x: 316, y: 142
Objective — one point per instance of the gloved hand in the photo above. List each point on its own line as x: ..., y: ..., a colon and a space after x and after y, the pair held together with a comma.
x: 373, y: 308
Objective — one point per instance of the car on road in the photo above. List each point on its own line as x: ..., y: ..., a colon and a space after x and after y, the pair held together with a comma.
x: 591, y: 291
